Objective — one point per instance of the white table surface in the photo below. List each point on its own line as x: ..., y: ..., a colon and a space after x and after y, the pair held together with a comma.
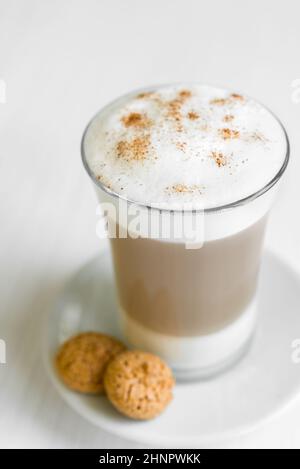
x: 61, y: 61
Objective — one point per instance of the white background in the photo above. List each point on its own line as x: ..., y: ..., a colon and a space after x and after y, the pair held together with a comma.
x: 61, y: 61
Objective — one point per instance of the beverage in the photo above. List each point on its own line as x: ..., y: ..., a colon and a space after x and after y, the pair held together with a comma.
x: 220, y: 153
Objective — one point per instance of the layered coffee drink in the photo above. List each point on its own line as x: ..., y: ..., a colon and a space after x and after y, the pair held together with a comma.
x: 178, y: 152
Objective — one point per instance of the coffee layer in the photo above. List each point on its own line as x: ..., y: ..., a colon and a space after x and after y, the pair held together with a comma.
x: 179, y: 292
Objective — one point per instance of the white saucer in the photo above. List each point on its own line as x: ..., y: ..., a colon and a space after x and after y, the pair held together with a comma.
x: 256, y: 388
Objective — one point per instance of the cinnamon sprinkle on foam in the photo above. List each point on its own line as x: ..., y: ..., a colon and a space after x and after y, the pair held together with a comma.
x: 136, y: 119
x: 145, y: 94
x: 183, y: 141
x: 229, y: 100
x: 174, y: 108
x: 184, y: 94
x: 182, y: 189
x: 218, y: 101
x: 258, y: 136
x: 219, y: 158
x: 237, y: 96
x: 181, y: 146
x: 104, y: 181
x: 228, y: 118
x: 133, y: 150
x: 229, y: 133
x: 193, y: 115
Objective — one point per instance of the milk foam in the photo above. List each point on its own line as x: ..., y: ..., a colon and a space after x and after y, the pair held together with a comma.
x: 185, y: 144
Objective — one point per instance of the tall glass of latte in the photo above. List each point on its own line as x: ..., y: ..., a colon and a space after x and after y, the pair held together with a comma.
x: 186, y: 175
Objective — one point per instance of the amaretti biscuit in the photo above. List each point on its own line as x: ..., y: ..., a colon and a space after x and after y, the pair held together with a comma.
x: 82, y: 360
x: 139, y: 384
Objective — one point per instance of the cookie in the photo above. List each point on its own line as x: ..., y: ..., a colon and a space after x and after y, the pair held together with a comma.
x: 81, y: 361
x: 138, y: 384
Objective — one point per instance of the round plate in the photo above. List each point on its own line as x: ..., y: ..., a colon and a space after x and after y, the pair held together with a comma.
x: 257, y: 387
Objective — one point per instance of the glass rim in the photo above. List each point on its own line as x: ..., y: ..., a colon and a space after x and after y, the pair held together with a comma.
x: 218, y: 208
